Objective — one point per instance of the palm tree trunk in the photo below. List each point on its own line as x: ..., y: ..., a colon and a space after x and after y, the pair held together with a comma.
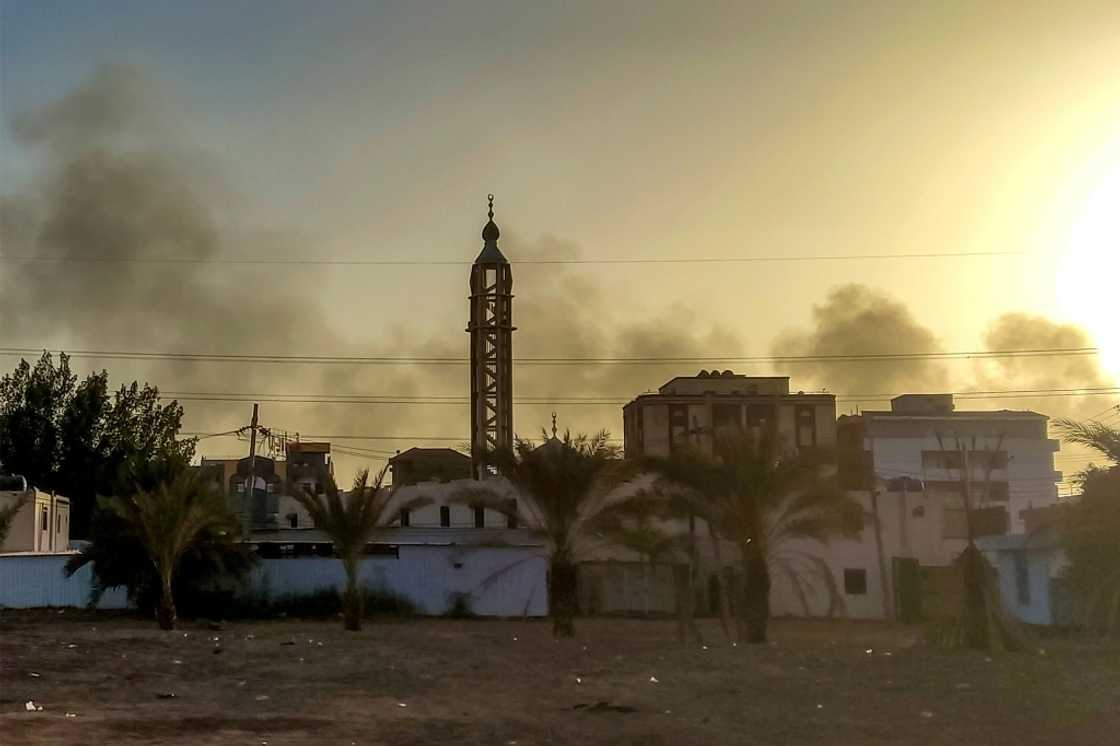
x: 646, y: 568
x: 756, y: 593
x: 352, y: 600
x: 166, y: 615
x: 562, y: 596
x: 686, y: 604
x: 724, y: 588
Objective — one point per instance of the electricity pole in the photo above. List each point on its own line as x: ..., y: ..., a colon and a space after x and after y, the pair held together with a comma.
x: 251, y: 479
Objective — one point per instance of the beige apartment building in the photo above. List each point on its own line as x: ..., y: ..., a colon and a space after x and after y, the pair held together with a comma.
x: 689, y: 411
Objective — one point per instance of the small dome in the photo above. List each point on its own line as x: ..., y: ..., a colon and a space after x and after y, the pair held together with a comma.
x: 490, y: 231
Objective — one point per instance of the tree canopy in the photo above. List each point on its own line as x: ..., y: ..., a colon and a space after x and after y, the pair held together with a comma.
x: 1091, y: 528
x: 77, y: 438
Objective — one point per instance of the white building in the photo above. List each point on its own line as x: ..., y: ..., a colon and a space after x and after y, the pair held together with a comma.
x: 906, y: 466
x: 42, y: 525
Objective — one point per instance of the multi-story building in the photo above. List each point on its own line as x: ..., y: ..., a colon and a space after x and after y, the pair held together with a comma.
x: 265, y: 501
x: 918, y: 450
x: 691, y: 411
x: 907, y: 467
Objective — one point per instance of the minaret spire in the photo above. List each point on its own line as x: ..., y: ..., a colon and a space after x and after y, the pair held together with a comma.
x: 491, y: 329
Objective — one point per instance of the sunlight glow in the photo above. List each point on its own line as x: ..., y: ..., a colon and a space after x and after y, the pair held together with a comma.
x: 1089, y: 270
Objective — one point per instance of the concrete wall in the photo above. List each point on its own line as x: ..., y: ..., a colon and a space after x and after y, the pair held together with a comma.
x: 500, y: 581
x: 1043, y: 564
x: 626, y: 588
x: 37, y: 580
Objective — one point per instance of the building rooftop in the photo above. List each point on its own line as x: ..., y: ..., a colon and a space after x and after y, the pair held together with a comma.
x: 939, y: 407
x: 417, y: 454
x: 309, y: 446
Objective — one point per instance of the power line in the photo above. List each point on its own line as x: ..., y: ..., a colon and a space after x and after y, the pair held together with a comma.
x: 345, y: 262
x: 279, y: 398
x: 641, y: 360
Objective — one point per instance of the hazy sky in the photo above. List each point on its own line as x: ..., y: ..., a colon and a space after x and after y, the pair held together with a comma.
x: 606, y: 130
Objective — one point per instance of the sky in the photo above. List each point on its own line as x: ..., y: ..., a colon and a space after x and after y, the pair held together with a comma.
x: 625, y: 130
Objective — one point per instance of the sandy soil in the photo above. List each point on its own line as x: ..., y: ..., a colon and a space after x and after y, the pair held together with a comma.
x: 493, y: 682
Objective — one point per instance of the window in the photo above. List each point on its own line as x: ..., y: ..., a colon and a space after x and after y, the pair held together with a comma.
x: 806, y: 416
x: 727, y: 417
x: 480, y: 517
x: 45, y: 523
x: 942, y: 459
x: 444, y: 516
x: 406, y: 517
x: 511, y: 517
x: 293, y: 520
x: 678, y: 424
x: 1022, y: 579
x: 58, y: 523
x: 855, y: 582
x: 760, y: 415
x: 955, y: 459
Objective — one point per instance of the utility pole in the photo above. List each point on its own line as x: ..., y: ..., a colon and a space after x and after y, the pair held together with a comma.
x: 251, y: 480
x: 885, y: 581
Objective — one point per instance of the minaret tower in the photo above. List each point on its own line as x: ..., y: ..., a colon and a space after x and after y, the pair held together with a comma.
x: 491, y: 329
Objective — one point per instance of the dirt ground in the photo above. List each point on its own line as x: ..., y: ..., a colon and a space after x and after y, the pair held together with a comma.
x: 104, y: 678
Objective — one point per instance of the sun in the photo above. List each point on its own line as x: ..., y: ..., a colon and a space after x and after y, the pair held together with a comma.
x: 1088, y: 281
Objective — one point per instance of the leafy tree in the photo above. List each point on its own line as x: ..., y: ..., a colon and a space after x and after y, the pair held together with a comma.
x: 76, y: 438
x: 8, y: 512
x: 765, y: 502
x: 153, y: 530
x: 565, y: 484
x: 350, y: 520
x: 1092, y: 525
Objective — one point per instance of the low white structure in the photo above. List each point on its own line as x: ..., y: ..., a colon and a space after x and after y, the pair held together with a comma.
x: 495, y: 572
x: 41, y: 525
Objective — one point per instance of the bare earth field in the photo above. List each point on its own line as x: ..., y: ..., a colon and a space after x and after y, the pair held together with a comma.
x: 495, y: 682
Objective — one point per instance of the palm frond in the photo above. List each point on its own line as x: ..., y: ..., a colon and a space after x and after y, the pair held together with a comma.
x: 1096, y: 435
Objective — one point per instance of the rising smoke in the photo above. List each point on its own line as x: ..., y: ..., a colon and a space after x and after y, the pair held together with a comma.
x: 858, y: 320
x: 115, y: 182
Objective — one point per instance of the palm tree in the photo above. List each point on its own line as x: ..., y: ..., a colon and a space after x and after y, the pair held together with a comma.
x: 170, y: 520
x: 765, y: 502
x: 1102, y: 438
x: 350, y: 520
x: 564, y: 484
x: 1092, y: 523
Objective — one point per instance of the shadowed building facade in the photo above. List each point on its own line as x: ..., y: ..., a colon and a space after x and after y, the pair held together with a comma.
x: 491, y: 329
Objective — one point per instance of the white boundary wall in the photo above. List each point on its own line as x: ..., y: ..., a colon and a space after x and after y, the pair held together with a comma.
x: 500, y: 581
x: 29, y: 581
